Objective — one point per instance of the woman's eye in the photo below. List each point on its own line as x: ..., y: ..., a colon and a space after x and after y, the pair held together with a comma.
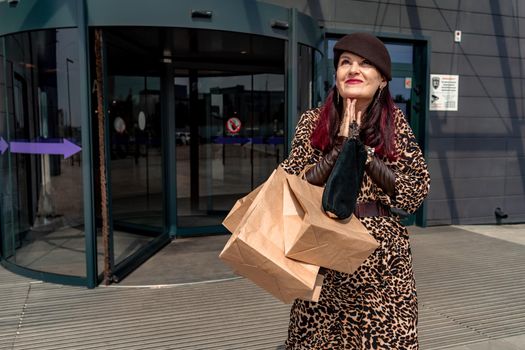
x: 344, y: 62
x: 366, y: 63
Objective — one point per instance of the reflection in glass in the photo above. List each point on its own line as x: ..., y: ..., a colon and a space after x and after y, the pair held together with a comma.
x: 304, y: 78
x: 136, y: 161
x: 400, y: 53
x: 136, y: 173
x: 229, y: 117
x: 42, y: 198
x: 330, y: 48
x: 134, y: 134
x: 219, y: 78
x: 401, y: 94
x: 230, y: 162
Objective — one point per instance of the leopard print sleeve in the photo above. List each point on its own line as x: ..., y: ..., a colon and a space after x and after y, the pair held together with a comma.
x: 412, y: 177
x: 302, y: 153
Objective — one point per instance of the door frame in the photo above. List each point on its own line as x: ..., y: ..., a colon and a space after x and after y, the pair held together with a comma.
x: 124, y: 267
x: 420, y: 78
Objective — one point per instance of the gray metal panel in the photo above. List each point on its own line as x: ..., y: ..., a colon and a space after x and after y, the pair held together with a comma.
x: 418, y: 18
x: 516, y: 165
x: 465, y: 188
x: 440, y: 168
x: 476, y: 208
x: 516, y: 144
x: 324, y: 9
x: 440, y: 147
x: 469, y: 148
x: 501, y: 7
x: 479, y: 167
x: 506, y: 108
x: 321, y: 10
x: 308, y: 31
x: 37, y: 14
x: 233, y: 15
x: 489, y: 24
x: 369, y: 12
x: 514, y: 204
x: 474, y: 65
x: 482, y: 148
x: 474, y: 44
x: 454, y: 124
x: 490, y: 86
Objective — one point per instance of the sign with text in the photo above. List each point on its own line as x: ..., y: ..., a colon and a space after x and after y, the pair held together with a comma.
x: 444, y: 92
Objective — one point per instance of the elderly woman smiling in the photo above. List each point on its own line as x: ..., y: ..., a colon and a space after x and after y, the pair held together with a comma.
x: 375, y: 307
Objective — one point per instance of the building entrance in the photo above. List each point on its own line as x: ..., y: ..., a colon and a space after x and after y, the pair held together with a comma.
x: 229, y: 128
x: 407, y: 87
x: 137, y: 128
x: 195, y: 120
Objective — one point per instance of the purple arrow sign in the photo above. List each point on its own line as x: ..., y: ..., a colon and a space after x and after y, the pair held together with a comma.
x: 3, y: 145
x: 66, y: 148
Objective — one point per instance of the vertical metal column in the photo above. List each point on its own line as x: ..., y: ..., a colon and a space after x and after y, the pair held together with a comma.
x: 194, y: 141
x: 169, y: 149
x: 103, y: 163
x: 87, y: 156
x: 291, y: 77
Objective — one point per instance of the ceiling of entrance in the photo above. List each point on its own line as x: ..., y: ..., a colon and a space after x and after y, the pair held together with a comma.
x: 138, y: 51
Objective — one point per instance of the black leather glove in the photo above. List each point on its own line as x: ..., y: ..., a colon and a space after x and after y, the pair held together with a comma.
x: 381, y: 175
x: 319, y: 173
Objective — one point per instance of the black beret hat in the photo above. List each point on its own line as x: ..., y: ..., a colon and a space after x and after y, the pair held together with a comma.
x: 367, y: 46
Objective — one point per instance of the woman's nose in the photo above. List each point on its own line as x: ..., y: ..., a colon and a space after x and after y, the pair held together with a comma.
x: 354, y: 67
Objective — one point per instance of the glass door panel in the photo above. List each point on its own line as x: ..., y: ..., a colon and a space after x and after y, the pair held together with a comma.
x: 40, y: 168
x: 230, y: 137
x: 401, y: 86
x: 268, y: 120
x: 400, y: 90
x: 136, y: 162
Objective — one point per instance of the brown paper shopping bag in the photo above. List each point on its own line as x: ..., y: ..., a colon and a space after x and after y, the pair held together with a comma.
x: 234, y: 217
x: 311, y: 236
x: 256, y: 248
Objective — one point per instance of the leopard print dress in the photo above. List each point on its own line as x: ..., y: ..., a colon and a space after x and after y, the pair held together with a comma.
x: 376, y: 307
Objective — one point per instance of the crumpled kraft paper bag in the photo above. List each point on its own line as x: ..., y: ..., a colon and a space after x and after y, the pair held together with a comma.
x: 311, y: 236
x: 256, y: 248
x: 234, y: 217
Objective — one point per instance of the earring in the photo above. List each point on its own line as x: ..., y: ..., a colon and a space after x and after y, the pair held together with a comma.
x: 380, y: 91
x: 337, y: 94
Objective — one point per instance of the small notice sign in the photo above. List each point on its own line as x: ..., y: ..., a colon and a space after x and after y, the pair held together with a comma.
x: 408, y: 83
x: 444, y: 92
x: 233, y: 125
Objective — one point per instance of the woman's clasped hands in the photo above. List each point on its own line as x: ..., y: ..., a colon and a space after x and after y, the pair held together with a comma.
x: 351, y: 120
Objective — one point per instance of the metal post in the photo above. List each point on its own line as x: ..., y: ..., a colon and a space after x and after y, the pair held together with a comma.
x: 101, y: 121
x: 87, y: 156
x: 291, y: 78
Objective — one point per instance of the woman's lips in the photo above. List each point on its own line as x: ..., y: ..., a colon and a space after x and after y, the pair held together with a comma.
x: 353, y: 81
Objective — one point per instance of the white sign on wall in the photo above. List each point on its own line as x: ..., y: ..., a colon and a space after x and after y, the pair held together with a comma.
x: 444, y: 92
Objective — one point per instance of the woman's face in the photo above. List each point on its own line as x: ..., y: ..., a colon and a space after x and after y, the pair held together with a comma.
x: 357, y: 78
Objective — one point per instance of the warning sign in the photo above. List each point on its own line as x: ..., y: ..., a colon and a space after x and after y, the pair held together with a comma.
x: 444, y: 92
x: 233, y: 125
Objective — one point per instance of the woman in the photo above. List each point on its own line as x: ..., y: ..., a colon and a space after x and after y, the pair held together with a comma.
x: 376, y: 307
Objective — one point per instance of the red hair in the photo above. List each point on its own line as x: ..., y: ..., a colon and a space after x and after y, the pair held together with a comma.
x: 377, y: 127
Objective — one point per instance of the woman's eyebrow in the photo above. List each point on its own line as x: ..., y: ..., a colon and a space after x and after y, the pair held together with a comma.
x: 355, y: 58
